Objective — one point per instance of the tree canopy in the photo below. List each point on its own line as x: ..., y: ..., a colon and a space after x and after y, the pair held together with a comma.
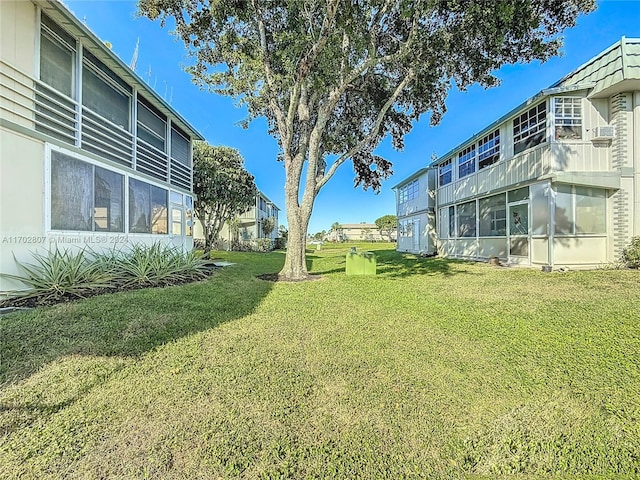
x: 387, y: 224
x: 335, y: 77
x: 223, y: 188
x: 268, y: 224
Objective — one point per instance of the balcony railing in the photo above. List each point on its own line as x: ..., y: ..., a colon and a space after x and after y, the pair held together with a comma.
x: 151, y: 161
x: 34, y: 105
x: 537, y: 162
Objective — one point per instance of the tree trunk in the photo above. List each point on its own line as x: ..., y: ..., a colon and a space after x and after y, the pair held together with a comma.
x: 207, y: 246
x: 295, y: 262
x: 298, y: 215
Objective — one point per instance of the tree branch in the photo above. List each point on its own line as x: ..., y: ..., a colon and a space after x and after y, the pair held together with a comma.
x: 372, y: 133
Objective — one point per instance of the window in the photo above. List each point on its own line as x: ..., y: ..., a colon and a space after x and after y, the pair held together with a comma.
x: 452, y: 222
x: 590, y: 210
x: 529, y: 129
x: 152, y: 126
x: 539, y: 208
x: 489, y: 150
x: 519, y: 194
x: 442, y: 223
x: 104, y: 93
x: 176, y: 221
x: 564, y: 211
x: 176, y: 212
x: 147, y: 208
x: 188, y: 203
x: 580, y: 210
x: 54, y: 106
x: 467, y: 161
x: 493, y: 216
x: 568, y: 118
x: 85, y: 197
x: 180, y: 147
x: 109, y: 199
x: 409, y: 191
x: 467, y: 219
x: 57, y: 57
x: 445, y: 172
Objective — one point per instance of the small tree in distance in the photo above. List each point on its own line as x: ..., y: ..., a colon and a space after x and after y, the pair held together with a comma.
x: 224, y: 189
x: 336, y: 228
x: 268, y: 224
x: 387, y: 224
x: 283, y: 232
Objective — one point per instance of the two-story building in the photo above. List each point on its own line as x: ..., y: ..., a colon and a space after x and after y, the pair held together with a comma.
x: 415, y: 209
x: 90, y: 154
x: 251, y: 221
x: 360, y: 232
x: 556, y: 181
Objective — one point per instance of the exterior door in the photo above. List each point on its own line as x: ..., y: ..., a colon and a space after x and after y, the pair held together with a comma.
x: 416, y: 235
x: 519, y: 236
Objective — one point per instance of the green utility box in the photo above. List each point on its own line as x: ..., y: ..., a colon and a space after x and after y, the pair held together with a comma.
x: 363, y: 263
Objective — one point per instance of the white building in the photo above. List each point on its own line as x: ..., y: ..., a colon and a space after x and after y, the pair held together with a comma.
x: 556, y: 181
x: 90, y: 154
x: 251, y: 223
x: 415, y: 209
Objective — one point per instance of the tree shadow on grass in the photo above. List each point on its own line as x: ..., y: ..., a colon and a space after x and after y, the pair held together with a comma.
x: 127, y: 324
x: 394, y: 264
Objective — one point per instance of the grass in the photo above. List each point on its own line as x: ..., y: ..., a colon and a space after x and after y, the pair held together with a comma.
x: 433, y: 368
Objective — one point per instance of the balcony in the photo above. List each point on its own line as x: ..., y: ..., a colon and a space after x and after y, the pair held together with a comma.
x: 34, y: 105
x: 539, y: 162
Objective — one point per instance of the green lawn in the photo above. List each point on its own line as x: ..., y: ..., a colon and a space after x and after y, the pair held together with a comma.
x: 432, y: 368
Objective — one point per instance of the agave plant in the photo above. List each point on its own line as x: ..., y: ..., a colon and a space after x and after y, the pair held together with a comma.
x: 61, y: 273
x: 156, y: 264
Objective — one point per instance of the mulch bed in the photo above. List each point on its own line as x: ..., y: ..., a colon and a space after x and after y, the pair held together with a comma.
x: 47, y: 300
x: 275, y: 277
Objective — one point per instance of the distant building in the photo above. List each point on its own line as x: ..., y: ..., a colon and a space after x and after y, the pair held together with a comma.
x: 415, y: 209
x: 555, y: 182
x: 367, y: 232
x: 250, y: 222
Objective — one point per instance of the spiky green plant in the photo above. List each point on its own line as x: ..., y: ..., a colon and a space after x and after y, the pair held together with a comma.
x: 60, y: 273
x: 154, y: 265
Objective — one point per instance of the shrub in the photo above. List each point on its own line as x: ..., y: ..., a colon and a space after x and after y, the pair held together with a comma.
x: 61, y: 273
x: 64, y: 273
x: 262, y: 245
x: 240, y: 246
x: 631, y: 254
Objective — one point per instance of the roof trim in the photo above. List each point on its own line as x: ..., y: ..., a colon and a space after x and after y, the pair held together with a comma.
x: 411, y: 177
x: 267, y: 199
x: 99, y: 49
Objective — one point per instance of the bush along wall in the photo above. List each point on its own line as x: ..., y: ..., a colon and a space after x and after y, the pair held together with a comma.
x: 631, y: 254
x: 63, y: 275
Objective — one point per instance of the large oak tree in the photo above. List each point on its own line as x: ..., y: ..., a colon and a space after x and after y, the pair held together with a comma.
x: 334, y: 77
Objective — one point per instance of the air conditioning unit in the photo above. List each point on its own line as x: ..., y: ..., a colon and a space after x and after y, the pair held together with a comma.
x: 605, y: 132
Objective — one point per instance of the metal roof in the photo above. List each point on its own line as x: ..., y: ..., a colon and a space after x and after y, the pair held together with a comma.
x: 69, y: 22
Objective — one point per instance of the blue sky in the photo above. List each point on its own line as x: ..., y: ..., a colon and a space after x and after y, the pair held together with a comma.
x: 216, y: 117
